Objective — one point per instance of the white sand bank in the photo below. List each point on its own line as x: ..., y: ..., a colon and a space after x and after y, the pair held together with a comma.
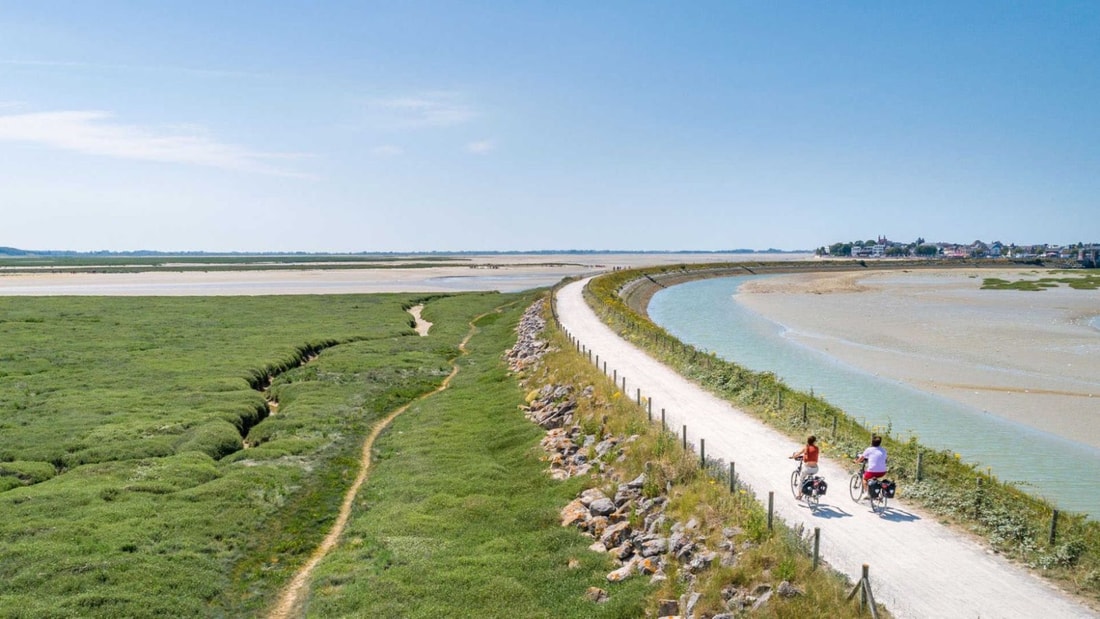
x: 503, y: 272
x: 1031, y: 357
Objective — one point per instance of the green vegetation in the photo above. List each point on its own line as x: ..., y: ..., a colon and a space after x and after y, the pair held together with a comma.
x: 1079, y: 280
x: 1010, y: 520
x: 764, y: 556
x: 125, y: 487
x: 459, y: 518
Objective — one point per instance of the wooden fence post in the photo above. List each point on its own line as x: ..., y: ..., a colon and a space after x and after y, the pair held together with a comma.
x: 978, y: 499
x: 615, y: 377
x: 733, y: 478
x: 771, y: 508
x: 703, y: 453
x: 1053, y: 526
x: 685, y: 445
x: 803, y: 412
x: 863, y: 580
x: 866, y: 598
x: 663, y: 425
x: 834, y: 427
x: 920, y: 465
x: 639, y: 396
x: 817, y: 545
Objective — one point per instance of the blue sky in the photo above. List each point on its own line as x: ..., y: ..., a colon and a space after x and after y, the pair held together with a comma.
x: 421, y: 126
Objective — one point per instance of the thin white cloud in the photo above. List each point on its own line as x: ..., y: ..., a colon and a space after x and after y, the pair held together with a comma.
x: 481, y: 147
x: 434, y: 109
x: 43, y: 63
x: 96, y: 133
x: 95, y: 66
x: 387, y: 150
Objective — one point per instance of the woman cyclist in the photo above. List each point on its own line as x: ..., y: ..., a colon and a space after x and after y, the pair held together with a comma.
x: 808, y: 454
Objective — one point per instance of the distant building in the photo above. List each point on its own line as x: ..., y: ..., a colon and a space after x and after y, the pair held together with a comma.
x: 1089, y: 255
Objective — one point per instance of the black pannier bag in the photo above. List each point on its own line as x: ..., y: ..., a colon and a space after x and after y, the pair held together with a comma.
x: 888, y: 488
x: 873, y: 488
x: 809, y: 485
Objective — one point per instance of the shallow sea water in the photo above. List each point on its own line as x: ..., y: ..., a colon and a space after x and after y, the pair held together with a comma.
x: 705, y: 314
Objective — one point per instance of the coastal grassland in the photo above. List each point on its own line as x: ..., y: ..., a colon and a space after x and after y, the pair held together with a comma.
x: 459, y: 519
x: 127, y: 488
x: 1080, y: 280
x: 1010, y: 520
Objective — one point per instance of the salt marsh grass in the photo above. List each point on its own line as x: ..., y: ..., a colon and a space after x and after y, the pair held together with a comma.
x: 125, y: 485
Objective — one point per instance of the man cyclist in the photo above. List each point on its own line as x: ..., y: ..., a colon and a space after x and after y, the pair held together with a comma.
x: 875, y: 456
x: 808, y: 454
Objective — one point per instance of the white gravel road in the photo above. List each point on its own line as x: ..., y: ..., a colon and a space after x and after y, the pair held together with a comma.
x: 918, y: 568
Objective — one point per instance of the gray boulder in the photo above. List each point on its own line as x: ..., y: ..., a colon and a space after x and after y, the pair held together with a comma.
x: 602, y: 507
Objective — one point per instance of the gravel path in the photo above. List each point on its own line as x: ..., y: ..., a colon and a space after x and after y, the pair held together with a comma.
x: 918, y: 568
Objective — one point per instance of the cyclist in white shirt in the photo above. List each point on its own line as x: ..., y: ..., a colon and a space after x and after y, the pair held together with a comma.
x: 875, y: 456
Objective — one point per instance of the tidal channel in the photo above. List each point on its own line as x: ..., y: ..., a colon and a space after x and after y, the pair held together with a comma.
x: 705, y: 314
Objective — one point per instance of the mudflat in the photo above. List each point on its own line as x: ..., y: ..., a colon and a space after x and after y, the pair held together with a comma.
x: 1031, y: 357
x: 463, y: 272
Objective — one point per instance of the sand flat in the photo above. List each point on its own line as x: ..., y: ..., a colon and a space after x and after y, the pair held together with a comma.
x: 1031, y: 357
x: 465, y: 272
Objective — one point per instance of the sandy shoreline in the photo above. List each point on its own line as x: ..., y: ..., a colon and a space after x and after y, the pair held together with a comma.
x: 1031, y: 357
x: 503, y: 272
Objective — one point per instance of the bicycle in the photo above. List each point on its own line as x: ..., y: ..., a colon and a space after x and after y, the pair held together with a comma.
x: 817, y: 488
x: 878, y: 498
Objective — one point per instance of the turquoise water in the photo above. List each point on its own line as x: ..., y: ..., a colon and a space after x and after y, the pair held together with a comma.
x: 704, y: 313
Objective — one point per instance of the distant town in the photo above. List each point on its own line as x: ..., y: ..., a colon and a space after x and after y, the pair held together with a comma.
x: 1086, y: 254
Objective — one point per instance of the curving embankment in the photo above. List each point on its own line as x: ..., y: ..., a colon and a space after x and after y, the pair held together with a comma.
x: 292, y: 596
x: 918, y: 567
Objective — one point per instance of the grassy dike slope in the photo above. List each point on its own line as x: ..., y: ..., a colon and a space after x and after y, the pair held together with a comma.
x: 126, y: 489
x: 1008, y: 519
x: 459, y: 517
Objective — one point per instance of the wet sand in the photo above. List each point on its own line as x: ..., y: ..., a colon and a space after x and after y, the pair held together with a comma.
x: 469, y: 272
x: 1031, y: 357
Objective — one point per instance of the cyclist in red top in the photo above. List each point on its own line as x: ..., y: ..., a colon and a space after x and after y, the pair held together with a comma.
x: 808, y: 453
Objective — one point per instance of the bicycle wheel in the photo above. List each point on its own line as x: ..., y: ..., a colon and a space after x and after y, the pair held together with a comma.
x: 796, y: 480
x: 878, y: 504
x: 855, y: 487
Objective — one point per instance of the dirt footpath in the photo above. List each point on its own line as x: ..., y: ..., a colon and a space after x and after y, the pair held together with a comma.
x: 918, y: 568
